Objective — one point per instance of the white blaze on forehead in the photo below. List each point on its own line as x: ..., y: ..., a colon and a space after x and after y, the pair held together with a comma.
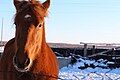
x: 27, y: 16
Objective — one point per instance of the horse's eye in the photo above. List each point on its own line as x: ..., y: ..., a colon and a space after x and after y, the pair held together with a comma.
x: 40, y: 25
x: 15, y: 23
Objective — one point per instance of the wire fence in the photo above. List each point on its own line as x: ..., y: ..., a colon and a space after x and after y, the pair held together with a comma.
x: 90, y: 76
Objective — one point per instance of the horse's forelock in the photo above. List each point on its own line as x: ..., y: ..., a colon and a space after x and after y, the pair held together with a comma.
x: 36, y: 7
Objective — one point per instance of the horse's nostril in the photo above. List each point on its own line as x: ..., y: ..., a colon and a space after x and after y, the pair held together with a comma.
x: 14, y: 60
x: 22, y: 65
x: 27, y: 62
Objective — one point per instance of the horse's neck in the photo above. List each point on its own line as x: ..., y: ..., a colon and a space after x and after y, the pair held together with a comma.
x: 7, y: 56
x: 46, y: 63
x: 42, y: 56
x: 9, y: 49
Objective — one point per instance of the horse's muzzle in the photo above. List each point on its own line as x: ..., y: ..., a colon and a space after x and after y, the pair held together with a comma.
x: 21, y: 67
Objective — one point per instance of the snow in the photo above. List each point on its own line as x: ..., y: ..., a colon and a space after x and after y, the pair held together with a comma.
x: 72, y: 72
x: 1, y: 49
x: 110, y: 62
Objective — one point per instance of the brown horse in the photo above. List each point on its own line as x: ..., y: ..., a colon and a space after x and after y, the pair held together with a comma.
x: 27, y: 56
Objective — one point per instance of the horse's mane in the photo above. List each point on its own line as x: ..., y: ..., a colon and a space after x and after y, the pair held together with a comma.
x: 36, y: 7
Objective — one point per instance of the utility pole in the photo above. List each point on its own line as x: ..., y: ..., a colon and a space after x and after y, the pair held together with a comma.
x: 2, y: 30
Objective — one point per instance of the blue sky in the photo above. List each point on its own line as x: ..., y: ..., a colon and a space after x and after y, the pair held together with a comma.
x: 73, y: 21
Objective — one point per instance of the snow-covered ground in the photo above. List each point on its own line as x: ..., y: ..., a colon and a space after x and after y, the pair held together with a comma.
x: 72, y: 72
x: 1, y: 49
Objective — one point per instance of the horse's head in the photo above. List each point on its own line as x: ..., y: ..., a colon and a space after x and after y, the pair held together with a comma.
x: 29, y: 21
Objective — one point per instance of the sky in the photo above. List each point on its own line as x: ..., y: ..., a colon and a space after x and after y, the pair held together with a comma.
x: 73, y: 21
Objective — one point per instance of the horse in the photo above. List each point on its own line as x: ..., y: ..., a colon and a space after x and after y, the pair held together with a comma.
x: 27, y: 56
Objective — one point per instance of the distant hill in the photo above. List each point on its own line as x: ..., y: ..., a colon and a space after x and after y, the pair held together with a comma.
x: 3, y: 43
x: 66, y: 45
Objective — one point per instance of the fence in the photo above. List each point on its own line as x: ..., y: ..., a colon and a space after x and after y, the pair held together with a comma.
x: 90, y: 76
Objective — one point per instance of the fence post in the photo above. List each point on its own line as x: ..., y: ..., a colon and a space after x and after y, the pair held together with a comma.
x: 93, y: 49
x: 114, y: 53
x: 85, y: 49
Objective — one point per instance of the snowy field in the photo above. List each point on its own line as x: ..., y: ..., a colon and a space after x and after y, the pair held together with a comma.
x: 72, y: 72
x: 1, y: 49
